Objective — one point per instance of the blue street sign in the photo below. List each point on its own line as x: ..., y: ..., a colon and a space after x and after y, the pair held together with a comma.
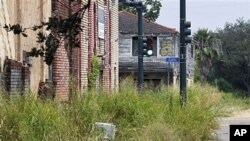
x: 172, y: 59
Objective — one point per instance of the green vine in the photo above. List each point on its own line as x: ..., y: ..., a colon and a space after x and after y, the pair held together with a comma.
x: 94, y: 73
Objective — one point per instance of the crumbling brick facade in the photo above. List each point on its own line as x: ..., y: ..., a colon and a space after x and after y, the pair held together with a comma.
x: 60, y: 74
x: 69, y: 63
x: 76, y: 63
x: 106, y: 48
x: 60, y: 65
x: 16, y: 77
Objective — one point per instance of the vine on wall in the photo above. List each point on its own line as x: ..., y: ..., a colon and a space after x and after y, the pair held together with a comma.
x: 94, y: 73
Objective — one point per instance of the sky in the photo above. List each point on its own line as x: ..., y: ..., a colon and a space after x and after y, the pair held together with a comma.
x: 211, y: 14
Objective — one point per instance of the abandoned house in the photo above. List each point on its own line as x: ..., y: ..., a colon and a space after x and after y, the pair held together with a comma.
x: 165, y: 45
x: 98, y: 38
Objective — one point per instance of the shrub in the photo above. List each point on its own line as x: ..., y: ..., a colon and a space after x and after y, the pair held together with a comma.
x: 223, y: 85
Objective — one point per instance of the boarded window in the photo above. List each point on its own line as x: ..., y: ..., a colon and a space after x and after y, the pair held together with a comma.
x: 101, y: 22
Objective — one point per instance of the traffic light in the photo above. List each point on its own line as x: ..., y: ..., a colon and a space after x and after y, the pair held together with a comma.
x: 187, y: 32
x: 148, y: 46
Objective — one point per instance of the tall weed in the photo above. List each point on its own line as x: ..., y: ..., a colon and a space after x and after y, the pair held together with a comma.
x: 153, y: 115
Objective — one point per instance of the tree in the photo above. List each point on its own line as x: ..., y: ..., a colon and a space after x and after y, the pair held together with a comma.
x: 60, y: 30
x: 236, y: 53
x: 151, y: 12
x: 208, y: 50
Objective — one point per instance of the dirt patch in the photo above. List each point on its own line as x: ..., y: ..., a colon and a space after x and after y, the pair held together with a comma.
x: 243, y: 113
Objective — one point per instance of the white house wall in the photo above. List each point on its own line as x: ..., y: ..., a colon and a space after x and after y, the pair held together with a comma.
x: 125, y: 54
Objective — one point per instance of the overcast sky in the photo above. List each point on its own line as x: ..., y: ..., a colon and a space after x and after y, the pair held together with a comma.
x: 211, y: 14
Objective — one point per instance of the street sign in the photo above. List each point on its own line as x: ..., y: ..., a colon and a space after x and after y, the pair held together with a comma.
x: 172, y: 59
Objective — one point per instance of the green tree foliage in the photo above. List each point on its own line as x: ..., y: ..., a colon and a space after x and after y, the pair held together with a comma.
x: 208, y: 49
x: 235, y: 66
x: 61, y: 31
x: 151, y: 11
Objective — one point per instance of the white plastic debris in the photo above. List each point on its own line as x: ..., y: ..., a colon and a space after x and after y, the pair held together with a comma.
x: 109, y: 129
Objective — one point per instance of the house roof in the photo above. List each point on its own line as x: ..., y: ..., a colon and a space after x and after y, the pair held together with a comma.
x: 128, y: 25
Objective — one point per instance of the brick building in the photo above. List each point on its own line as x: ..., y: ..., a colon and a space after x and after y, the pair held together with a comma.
x: 98, y: 38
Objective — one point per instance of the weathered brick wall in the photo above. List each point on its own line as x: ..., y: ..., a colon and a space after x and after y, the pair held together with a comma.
x: 107, y: 48
x: 91, y: 44
x: 75, y: 55
x: 60, y: 74
x: 110, y: 72
x: 75, y: 67
x: 16, y: 77
x: 84, y: 50
x: 115, y: 46
x: 25, y: 79
x: 91, y: 34
x: 12, y: 76
x: 60, y: 66
x: 99, y: 46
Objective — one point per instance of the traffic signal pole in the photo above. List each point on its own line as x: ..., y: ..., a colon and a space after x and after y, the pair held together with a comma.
x: 139, y: 8
x: 183, y: 82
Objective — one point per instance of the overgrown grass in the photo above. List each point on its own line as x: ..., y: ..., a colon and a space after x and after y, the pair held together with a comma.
x: 234, y: 102
x: 150, y: 116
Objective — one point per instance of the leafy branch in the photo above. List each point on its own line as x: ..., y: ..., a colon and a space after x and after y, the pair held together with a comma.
x: 151, y: 11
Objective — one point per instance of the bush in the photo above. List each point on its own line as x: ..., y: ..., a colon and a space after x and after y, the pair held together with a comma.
x: 223, y: 85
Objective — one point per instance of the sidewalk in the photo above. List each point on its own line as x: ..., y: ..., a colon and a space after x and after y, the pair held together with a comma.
x: 242, y: 118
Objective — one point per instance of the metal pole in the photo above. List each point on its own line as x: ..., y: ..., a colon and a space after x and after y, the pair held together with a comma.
x: 140, y: 42
x: 183, y: 83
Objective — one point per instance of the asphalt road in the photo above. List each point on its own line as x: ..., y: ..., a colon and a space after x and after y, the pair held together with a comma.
x: 239, y: 118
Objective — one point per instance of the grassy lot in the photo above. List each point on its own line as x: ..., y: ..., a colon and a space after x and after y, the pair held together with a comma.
x: 151, y: 116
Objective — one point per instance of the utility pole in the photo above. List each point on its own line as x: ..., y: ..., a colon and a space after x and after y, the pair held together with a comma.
x: 183, y: 83
x: 139, y: 8
x: 184, y: 39
x: 140, y: 47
